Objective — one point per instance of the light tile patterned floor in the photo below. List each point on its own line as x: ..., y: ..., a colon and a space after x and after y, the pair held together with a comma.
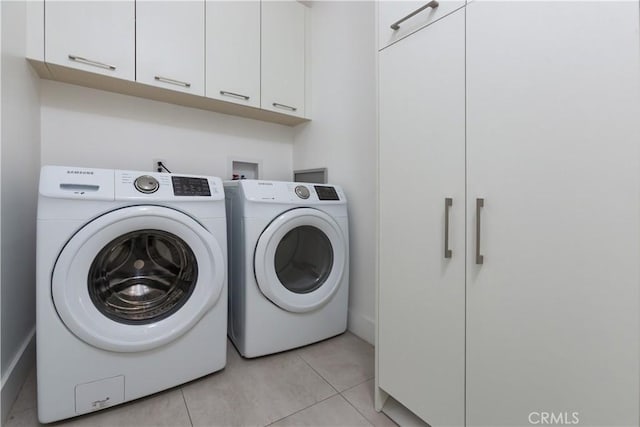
x: 324, y: 384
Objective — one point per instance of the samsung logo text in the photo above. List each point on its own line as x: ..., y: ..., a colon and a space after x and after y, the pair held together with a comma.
x: 80, y: 172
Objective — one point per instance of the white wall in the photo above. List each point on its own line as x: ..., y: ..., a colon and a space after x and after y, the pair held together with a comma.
x: 342, y: 134
x: 92, y: 128
x: 19, y: 169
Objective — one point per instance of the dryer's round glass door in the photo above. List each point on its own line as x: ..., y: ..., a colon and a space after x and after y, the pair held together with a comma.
x: 142, y: 276
x: 300, y: 259
x: 303, y: 259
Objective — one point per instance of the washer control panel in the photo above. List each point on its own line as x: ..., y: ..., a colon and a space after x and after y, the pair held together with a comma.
x: 190, y: 186
x: 146, y: 184
x: 155, y: 186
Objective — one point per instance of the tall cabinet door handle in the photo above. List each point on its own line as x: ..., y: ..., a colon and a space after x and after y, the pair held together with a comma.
x: 479, y: 206
x: 448, y: 202
x: 433, y: 4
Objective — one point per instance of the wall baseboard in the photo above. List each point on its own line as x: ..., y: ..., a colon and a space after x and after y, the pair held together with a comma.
x: 362, y: 326
x: 16, y: 374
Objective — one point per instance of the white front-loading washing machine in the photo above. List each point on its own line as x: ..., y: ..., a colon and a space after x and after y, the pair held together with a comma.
x: 288, y: 264
x: 131, y: 285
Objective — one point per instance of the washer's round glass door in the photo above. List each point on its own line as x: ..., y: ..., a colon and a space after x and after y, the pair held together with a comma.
x: 137, y: 278
x: 300, y: 259
x: 142, y: 276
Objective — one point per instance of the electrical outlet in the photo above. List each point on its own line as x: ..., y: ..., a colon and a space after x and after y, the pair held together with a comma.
x: 157, y: 165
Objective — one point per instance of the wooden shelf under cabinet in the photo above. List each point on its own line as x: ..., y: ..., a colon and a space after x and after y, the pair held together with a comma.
x: 97, y: 81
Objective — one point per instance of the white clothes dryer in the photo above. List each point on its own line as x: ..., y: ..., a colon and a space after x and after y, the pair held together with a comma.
x: 288, y: 264
x: 131, y: 285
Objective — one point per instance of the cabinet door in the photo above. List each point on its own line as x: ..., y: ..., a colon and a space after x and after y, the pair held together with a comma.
x: 407, y: 17
x: 233, y: 51
x: 170, y: 45
x: 283, y: 60
x: 95, y: 36
x: 422, y: 162
x: 552, y: 147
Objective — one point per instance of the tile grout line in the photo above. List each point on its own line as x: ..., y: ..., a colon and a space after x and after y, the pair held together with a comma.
x: 317, y: 373
x: 184, y: 399
x: 302, y: 409
x: 354, y: 407
x: 337, y: 393
x: 357, y: 385
x: 357, y: 410
x: 299, y: 354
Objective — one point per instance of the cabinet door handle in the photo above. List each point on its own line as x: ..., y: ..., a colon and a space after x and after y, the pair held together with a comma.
x: 479, y: 206
x: 285, y: 107
x: 448, y: 202
x: 91, y: 62
x: 432, y: 4
x: 172, y: 81
x: 234, y: 95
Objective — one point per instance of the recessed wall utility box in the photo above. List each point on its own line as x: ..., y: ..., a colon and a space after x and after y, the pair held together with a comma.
x: 243, y: 169
x: 317, y: 176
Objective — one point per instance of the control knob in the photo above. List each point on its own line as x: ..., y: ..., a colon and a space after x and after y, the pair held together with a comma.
x: 146, y: 184
x: 302, y: 192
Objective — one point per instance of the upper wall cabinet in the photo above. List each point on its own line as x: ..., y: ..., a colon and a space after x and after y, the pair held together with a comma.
x: 283, y: 57
x: 94, y: 36
x: 244, y: 58
x: 233, y: 51
x: 398, y: 19
x: 170, y: 44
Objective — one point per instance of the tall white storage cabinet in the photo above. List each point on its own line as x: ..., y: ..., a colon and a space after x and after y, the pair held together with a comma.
x: 421, y: 312
x: 552, y: 218
x: 553, y: 145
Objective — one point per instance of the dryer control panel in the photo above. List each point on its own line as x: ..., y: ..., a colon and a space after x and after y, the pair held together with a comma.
x: 297, y: 193
x: 326, y: 192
